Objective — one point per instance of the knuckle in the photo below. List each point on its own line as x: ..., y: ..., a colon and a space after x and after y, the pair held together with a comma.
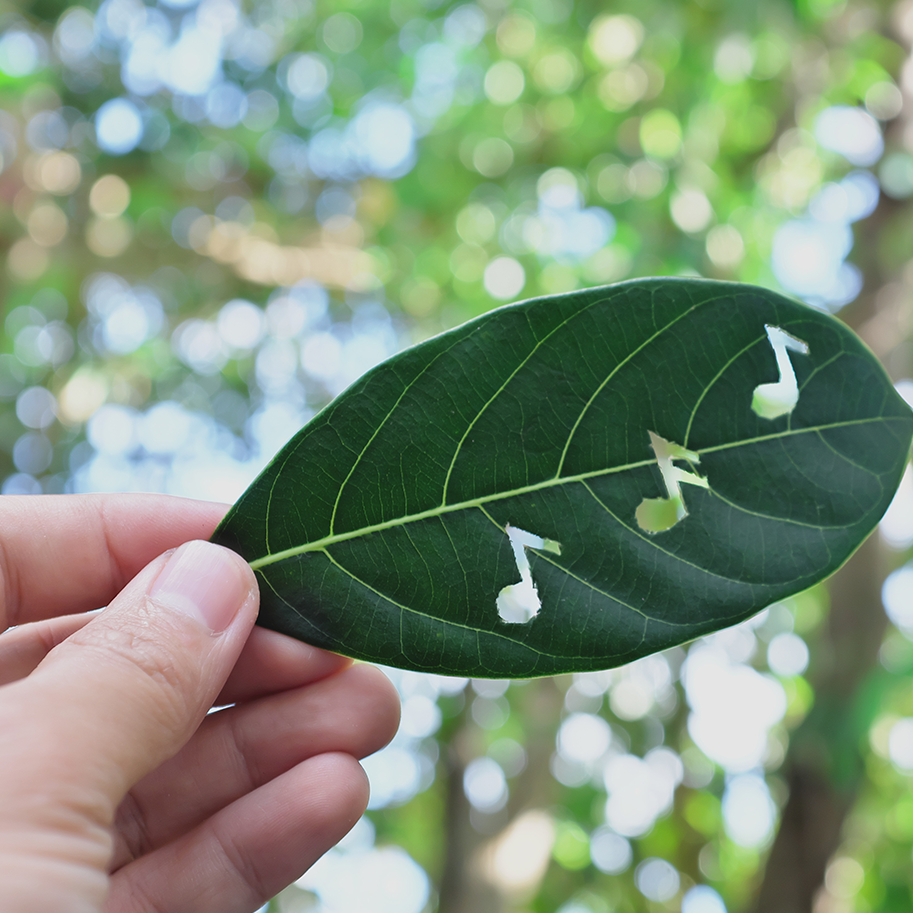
x: 132, y: 830
x: 141, y: 655
x: 242, y: 869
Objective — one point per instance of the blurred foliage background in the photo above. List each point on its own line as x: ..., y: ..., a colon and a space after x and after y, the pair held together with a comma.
x: 218, y: 213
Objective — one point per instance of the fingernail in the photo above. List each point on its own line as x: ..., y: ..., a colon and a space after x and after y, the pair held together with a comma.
x: 203, y: 581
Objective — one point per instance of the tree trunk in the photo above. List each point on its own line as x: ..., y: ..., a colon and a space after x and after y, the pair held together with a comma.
x: 463, y: 886
x: 824, y: 767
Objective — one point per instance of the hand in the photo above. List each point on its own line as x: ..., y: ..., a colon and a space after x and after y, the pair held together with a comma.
x: 117, y: 791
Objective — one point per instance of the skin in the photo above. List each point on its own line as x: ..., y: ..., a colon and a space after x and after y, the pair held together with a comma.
x: 117, y: 791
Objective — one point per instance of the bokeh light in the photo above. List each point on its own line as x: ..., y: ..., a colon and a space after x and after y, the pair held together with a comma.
x: 657, y: 880
x: 118, y: 126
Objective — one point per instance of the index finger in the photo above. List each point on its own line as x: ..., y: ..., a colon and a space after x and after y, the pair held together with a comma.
x: 62, y: 554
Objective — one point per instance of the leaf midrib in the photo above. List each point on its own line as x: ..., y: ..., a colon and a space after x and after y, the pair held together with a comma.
x: 442, y: 509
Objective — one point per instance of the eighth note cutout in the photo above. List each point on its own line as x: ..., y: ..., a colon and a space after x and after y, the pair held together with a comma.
x: 519, y: 602
x: 770, y: 401
x: 655, y: 515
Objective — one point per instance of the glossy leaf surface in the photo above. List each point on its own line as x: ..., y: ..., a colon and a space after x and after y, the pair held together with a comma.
x: 757, y: 437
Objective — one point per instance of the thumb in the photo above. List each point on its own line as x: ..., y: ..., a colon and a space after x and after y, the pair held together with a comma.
x: 124, y: 693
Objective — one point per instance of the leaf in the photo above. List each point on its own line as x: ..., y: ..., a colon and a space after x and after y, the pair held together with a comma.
x: 757, y: 437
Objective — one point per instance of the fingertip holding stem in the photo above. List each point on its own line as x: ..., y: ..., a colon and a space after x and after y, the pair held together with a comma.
x: 126, y: 691
x: 205, y: 582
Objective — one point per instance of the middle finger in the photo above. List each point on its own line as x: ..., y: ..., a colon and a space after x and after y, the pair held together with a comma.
x: 238, y: 749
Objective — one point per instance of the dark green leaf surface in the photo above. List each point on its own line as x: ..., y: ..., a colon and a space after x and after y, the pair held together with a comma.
x: 380, y: 530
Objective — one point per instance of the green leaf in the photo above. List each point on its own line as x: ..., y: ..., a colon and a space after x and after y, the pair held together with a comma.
x: 665, y: 456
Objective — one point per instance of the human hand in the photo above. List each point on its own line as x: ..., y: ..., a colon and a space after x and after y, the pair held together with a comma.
x: 117, y: 791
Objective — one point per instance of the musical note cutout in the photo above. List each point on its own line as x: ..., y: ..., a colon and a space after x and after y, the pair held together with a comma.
x: 655, y: 515
x: 519, y: 603
x: 770, y: 401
